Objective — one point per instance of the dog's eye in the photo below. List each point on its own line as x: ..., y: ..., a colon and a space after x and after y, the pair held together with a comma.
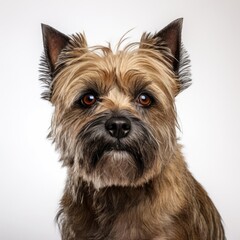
x: 88, y: 100
x: 144, y: 100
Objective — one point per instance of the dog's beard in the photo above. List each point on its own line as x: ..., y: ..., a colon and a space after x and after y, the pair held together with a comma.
x: 119, y: 151
x: 105, y: 161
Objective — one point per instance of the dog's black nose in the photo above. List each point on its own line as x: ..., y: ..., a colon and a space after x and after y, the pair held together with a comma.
x: 118, y: 127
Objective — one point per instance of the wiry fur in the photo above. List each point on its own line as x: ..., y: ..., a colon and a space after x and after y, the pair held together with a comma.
x: 138, y: 187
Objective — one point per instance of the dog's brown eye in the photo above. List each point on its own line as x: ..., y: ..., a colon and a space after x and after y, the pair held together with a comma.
x: 144, y: 100
x: 88, y: 100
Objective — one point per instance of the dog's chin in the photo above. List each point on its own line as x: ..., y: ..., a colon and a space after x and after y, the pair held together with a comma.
x: 116, y: 168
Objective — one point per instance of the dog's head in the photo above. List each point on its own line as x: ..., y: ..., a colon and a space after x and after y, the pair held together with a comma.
x: 114, y: 121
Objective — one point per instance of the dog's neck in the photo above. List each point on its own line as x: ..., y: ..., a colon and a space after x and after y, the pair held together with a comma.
x: 107, y: 205
x: 114, y: 199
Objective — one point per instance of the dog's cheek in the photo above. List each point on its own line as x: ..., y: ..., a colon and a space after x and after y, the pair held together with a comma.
x: 164, y: 130
x: 64, y: 128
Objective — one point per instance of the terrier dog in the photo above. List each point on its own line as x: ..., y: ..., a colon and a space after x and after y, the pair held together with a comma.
x: 114, y: 125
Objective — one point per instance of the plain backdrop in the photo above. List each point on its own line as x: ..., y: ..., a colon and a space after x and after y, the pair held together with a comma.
x: 31, y: 178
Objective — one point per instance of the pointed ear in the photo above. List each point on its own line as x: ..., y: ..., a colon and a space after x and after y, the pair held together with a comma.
x: 54, y: 42
x: 171, y: 35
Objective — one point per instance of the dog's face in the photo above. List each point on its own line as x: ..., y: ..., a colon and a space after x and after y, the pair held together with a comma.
x: 114, y: 120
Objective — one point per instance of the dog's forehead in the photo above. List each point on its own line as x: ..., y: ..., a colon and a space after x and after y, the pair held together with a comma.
x: 125, y: 71
x: 114, y: 75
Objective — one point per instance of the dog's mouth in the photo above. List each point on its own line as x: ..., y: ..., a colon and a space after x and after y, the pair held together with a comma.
x: 119, y: 148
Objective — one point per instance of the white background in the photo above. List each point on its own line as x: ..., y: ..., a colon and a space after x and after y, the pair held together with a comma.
x: 31, y: 179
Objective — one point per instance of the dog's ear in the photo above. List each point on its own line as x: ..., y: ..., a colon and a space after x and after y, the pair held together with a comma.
x: 170, y: 37
x: 54, y: 42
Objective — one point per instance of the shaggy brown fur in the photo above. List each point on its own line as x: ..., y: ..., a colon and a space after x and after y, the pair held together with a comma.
x: 132, y: 184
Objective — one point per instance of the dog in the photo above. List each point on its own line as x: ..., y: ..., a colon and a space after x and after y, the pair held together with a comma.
x: 114, y: 125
